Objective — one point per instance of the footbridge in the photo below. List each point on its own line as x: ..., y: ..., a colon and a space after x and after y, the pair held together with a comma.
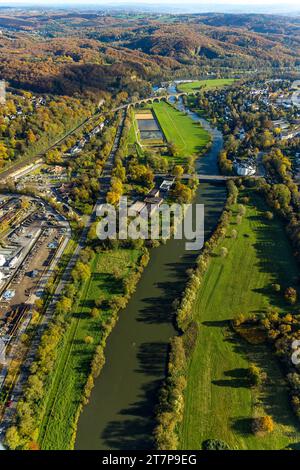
x: 208, y: 178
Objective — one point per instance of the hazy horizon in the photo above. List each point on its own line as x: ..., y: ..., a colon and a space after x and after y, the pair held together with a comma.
x: 171, y: 6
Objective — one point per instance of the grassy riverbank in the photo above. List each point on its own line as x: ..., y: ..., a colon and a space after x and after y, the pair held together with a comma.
x: 66, y: 387
x: 219, y: 403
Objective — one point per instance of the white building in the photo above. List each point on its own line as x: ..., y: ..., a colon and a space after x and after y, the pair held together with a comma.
x: 245, y: 169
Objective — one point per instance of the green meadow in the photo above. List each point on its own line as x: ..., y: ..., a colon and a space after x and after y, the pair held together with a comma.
x: 219, y: 403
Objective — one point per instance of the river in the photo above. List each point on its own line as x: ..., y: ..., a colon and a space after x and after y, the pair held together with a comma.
x: 120, y: 414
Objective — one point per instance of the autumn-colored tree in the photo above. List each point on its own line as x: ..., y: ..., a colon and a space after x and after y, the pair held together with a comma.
x: 31, y: 138
x: 290, y: 294
x: 263, y: 425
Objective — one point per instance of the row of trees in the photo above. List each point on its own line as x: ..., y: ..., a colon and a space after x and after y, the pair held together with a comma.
x: 29, y: 134
x: 171, y: 405
x: 281, y: 331
x: 25, y: 433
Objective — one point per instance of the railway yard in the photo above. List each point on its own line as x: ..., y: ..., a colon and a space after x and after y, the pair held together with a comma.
x: 32, y: 240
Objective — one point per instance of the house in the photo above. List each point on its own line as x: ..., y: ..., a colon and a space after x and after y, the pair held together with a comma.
x: 74, y: 150
x: 153, y: 193
x: 290, y: 133
x: 245, y: 168
x: 153, y: 203
x: 166, y: 185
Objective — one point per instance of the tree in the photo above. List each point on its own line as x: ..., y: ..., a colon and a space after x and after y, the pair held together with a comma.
x: 256, y: 375
x: 64, y: 305
x: 290, y: 294
x: 182, y: 193
x: 242, y: 210
x: 263, y: 425
x: 54, y: 157
x: 13, y: 438
x: 276, y: 287
x: 282, y: 194
x: 178, y: 171
x: 234, y: 233
x: 215, y: 444
x: 88, y: 340
x: 239, y: 219
x: 269, y: 215
x: 113, y: 197
x: 31, y: 138
x: 173, y: 149
x: 94, y: 312
x: 224, y: 251
x: 81, y: 272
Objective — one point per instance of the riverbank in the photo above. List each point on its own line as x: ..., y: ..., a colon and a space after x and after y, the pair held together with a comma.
x: 219, y: 401
x: 121, y: 411
x: 94, y: 318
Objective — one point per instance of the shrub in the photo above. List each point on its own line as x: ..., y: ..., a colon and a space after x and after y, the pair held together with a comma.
x: 89, y: 340
x: 94, y: 312
x: 256, y: 375
x: 269, y: 215
x: 234, y: 233
x: 239, y: 320
x: 276, y: 287
x: 215, y: 444
x: 242, y: 210
x: 190, y: 338
x: 224, y: 251
x: 290, y: 294
x: 262, y: 425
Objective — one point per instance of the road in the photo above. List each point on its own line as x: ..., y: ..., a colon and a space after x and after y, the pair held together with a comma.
x: 66, y: 276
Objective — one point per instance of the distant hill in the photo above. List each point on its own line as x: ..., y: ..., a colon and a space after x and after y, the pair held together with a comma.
x: 71, y: 51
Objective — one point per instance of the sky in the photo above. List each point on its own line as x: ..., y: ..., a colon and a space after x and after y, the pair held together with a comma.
x: 166, y: 2
x: 201, y: 5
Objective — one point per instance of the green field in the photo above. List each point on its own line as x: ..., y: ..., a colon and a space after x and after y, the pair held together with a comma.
x: 205, y: 84
x: 66, y: 386
x: 189, y: 136
x: 219, y: 403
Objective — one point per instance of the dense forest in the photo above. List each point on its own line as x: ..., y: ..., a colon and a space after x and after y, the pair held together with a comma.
x: 73, y: 52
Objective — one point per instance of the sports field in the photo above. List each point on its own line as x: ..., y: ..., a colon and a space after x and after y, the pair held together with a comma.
x: 188, y: 136
x: 205, y: 84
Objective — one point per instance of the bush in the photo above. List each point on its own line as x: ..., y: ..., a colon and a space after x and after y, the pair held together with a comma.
x: 89, y: 340
x: 234, y: 233
x: 94, y: 312
x: 190, y: 338
x: 215, y: 444
x: 269, y: 215
x: 262, y: 425
x: 224, y: 251
x: 276, y: 287
x: 256, y: 375
x: 290, y: 294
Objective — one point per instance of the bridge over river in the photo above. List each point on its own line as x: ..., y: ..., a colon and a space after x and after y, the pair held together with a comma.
x: 207, y: 178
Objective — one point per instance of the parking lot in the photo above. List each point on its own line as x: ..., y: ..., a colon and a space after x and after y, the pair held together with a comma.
x: 26, y: 253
